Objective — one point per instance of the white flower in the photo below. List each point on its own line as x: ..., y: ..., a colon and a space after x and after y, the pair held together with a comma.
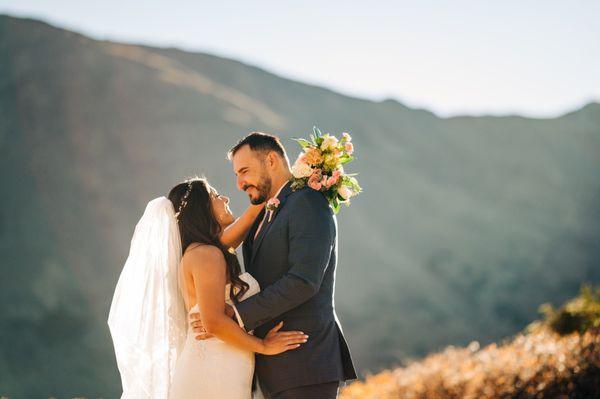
x: 329, y: 142
x: 345, y: 192
x: 301, y: 169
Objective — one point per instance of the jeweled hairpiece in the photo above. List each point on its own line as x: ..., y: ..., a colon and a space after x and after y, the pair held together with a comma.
x: 184, y: 199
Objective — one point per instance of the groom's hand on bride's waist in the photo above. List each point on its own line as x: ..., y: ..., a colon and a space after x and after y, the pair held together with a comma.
x: 199, y: 328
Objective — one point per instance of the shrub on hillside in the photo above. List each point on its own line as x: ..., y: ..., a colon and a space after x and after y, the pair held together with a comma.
x: 579, y: 314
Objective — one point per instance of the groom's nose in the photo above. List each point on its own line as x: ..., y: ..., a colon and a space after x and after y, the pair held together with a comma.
x: 240, y: 183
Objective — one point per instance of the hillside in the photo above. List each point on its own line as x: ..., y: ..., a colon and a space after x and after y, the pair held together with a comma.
x: 548, y: 361
x: 465, y: 225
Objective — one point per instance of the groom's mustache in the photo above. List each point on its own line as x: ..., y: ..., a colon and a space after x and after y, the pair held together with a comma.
x: 247, y: 186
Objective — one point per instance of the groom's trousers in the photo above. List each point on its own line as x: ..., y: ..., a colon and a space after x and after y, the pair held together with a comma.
x: 328, y: 390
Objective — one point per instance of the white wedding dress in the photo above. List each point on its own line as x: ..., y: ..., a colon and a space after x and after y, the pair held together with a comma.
x: 155, y: 347
x: 211, y: 368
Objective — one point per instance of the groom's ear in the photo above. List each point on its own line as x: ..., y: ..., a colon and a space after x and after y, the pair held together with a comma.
x: 272, y: 159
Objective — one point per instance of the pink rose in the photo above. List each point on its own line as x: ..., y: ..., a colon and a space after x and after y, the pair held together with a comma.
x: 337, y: 174
x: 349, y: 147
x: 273, y: 202
x: 314, y: 181
x: 335, y: 177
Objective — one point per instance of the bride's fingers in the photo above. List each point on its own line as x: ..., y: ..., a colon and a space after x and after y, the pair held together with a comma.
x: 296, y: 340
x: 292, y: 340
x: 298, y: 337
x: 277, y: 327
x: 203, y: 336
x: 291, y: 333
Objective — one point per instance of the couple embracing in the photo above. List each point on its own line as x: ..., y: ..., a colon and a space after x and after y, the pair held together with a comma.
x: 186, y: 322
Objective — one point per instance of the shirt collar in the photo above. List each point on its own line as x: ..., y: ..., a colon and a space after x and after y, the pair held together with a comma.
x: 280, y: 188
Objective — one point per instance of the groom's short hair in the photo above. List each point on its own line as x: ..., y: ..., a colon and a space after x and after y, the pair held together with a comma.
x: 259, y: 141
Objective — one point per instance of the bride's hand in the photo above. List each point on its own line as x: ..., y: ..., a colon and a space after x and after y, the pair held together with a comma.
x: 255, y: 209
x: 197, y: 326
x: 276, y: 342
x: 234, y: 234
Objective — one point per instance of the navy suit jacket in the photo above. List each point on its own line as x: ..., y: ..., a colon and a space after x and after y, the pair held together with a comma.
x: 294, y: 259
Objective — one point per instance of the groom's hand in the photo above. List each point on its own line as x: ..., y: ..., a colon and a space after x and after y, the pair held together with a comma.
x: 199, y: 328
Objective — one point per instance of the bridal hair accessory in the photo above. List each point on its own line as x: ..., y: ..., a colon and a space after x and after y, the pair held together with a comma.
x: 272, y: 205
x: 184, y: 199
x: 320, y: 167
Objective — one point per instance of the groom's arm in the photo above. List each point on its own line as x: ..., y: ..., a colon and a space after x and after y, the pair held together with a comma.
x: 311, y: 238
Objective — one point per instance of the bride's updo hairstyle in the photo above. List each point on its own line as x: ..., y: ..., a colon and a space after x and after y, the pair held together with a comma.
x: 197, y: 223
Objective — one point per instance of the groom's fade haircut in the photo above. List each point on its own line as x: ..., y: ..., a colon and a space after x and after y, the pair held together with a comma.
x: 260, y: 142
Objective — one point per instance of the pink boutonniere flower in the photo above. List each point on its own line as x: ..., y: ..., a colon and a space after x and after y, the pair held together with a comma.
x: 272, y: 205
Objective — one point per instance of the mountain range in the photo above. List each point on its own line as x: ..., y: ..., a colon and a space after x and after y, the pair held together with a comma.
x: 466, y: 224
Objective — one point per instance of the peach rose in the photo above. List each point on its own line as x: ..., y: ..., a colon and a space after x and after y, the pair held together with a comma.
x: 301, y: 168
x: 313, y: 156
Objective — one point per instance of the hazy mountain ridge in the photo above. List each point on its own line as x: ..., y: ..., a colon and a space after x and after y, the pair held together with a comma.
x: 471, y: 221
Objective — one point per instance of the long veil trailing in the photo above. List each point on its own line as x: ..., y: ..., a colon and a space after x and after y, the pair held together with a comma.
x: 147, y: 318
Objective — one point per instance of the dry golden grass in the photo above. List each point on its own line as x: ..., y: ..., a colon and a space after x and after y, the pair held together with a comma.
x: 541, y: 364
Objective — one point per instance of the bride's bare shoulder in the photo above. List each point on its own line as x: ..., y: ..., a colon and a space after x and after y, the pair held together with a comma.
x: 203, y: 257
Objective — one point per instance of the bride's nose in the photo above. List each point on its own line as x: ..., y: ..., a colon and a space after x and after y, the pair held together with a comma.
x: 226, y: 199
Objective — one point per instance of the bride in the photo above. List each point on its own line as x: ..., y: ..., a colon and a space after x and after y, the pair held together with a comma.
x: 181, y: 261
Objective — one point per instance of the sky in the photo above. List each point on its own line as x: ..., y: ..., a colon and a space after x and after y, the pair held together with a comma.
x: 532, y: 58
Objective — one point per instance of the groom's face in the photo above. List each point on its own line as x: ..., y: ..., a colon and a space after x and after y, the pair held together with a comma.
x: 252, y: 175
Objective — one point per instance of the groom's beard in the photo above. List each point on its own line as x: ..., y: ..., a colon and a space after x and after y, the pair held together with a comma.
x: 264, y: 189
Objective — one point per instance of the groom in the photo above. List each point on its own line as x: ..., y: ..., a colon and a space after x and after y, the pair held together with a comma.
x: 291, y: 250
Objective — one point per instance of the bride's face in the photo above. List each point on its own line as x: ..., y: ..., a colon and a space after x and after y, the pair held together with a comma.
x: 220, y: 206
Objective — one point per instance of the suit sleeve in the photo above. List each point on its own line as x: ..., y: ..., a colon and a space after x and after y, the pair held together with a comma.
x: 311, y: 240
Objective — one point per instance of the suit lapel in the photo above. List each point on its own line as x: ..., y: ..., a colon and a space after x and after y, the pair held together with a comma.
x: 285, y: 191
x: 249, y: 241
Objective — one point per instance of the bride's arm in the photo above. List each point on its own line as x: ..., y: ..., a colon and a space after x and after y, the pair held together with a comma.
x: 234, y: 234
x: 207, y: 265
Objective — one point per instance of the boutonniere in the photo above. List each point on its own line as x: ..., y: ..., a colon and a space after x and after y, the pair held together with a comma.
x: 272, y: 205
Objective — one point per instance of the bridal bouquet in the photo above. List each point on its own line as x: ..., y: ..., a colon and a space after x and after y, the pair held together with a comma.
x: 320, y: 166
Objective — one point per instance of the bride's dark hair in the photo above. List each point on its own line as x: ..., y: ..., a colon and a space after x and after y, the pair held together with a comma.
x: 197, y: 223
